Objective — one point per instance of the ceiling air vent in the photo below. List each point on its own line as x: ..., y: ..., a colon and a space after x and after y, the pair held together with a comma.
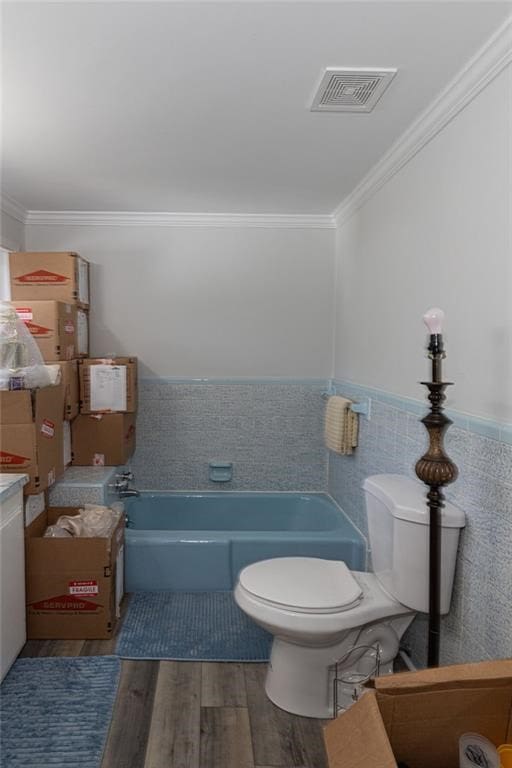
x: 351, y: 89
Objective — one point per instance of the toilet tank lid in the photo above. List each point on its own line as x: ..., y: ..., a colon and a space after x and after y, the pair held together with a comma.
x: 406, y: 499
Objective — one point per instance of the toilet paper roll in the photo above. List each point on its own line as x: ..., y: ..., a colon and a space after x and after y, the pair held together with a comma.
x: 475, y: 751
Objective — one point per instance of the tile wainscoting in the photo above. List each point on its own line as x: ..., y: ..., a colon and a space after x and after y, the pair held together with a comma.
x: 479, y: 624
x: 271, y: 430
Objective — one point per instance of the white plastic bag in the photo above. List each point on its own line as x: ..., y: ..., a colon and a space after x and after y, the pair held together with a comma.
x: 56, y: 532
x: 21, y: 362
x: 91, y: 521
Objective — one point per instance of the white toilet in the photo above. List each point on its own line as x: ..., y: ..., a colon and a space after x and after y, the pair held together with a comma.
x: 322, y: 614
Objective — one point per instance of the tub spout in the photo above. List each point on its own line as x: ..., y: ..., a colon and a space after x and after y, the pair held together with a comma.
x: 126, y: 493
x: 121, y: 486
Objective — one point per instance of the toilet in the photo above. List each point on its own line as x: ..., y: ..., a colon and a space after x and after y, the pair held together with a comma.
x: 331, y: 625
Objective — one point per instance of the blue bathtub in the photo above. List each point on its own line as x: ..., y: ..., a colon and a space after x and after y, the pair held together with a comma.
x: 200, y: 541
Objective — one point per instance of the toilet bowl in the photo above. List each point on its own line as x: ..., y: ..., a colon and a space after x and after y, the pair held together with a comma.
x: 333, y: 627
x: 318, y: 612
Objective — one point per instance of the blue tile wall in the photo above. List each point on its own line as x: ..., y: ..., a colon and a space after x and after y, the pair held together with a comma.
x: 83, y: 485
x: 480, y: 621
x: 270, y: 429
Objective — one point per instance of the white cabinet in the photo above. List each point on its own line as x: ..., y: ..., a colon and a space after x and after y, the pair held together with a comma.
x: 12, y: 570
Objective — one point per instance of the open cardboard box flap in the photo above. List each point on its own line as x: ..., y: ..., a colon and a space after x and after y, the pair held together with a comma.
x: 358, y: 738
x: 442, y: 678
x: 418, y: 717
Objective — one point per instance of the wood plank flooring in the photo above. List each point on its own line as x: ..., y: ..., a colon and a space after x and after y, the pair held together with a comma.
x: 181, y: 714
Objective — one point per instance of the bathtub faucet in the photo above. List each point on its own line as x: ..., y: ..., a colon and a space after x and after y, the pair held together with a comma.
x: 128, y: 492
x: 121, y: 486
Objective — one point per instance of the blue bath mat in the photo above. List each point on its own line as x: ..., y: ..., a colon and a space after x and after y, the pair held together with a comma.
x: 56, y: 712
x: 190, y: 626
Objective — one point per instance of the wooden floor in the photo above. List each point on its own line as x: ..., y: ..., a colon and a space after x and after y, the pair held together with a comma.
x: 183, y: 714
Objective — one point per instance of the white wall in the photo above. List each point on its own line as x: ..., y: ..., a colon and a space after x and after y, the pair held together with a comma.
x: 11, y: 232
x: 12, y: 237
x: 207, y: 302
x: 439, y: 233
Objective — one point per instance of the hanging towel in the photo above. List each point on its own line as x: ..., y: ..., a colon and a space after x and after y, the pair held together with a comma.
x: 341, y: 425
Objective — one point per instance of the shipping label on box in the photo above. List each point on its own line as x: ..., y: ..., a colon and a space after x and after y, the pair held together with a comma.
x: 108, y: 387
x: 83, y: 588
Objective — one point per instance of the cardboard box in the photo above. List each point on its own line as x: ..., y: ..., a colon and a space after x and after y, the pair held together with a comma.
x: 31, y: 435
x: 53, y: 327
x: 108, y: 385
x: 69, y: 378
x: 103, y: 439
x: 62, y: 276
x: 82, y: 333
x: 416, y: 718
x: 71, y: 582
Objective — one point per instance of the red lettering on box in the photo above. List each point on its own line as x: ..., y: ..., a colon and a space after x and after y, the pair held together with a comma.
x: 64, y: 603
x: 38, y: 330
x: 11, y: 459
x: 41, y: 277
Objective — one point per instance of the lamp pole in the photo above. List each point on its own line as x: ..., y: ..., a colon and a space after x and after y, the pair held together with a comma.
x: 436, y: 470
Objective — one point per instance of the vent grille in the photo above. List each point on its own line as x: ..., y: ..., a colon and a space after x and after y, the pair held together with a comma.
x: 351, y: 89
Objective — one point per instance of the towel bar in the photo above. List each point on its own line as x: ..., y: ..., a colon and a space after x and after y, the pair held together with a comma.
x: 363, y: 408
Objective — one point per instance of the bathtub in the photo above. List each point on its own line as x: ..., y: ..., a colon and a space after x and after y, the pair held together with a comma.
x: 200, y: 541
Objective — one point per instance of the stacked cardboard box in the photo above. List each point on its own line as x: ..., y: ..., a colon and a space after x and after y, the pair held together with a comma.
x: 50, y: 292
x: 31, y: 435
x: 416, y: 719
x: 104, y: 432
x: 38, y: 275
x: 74, y: 586
x: 53, y: 326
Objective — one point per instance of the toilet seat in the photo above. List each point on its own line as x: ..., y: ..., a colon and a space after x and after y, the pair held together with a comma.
x: 302, y: 585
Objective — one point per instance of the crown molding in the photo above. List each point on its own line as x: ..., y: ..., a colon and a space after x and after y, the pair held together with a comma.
x: 137, y: 219
x: 12, y: 208
x: 479, y: 71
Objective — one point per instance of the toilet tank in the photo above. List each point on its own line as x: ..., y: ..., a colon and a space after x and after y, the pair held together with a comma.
x: 398, y: 527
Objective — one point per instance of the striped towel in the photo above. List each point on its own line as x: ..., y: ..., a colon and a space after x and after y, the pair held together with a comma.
x: 341, y: 425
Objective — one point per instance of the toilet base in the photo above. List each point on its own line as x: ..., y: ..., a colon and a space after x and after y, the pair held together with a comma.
x: 300, y: 679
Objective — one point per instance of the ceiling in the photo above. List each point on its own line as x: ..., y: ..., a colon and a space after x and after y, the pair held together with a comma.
x: 204, y: 107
